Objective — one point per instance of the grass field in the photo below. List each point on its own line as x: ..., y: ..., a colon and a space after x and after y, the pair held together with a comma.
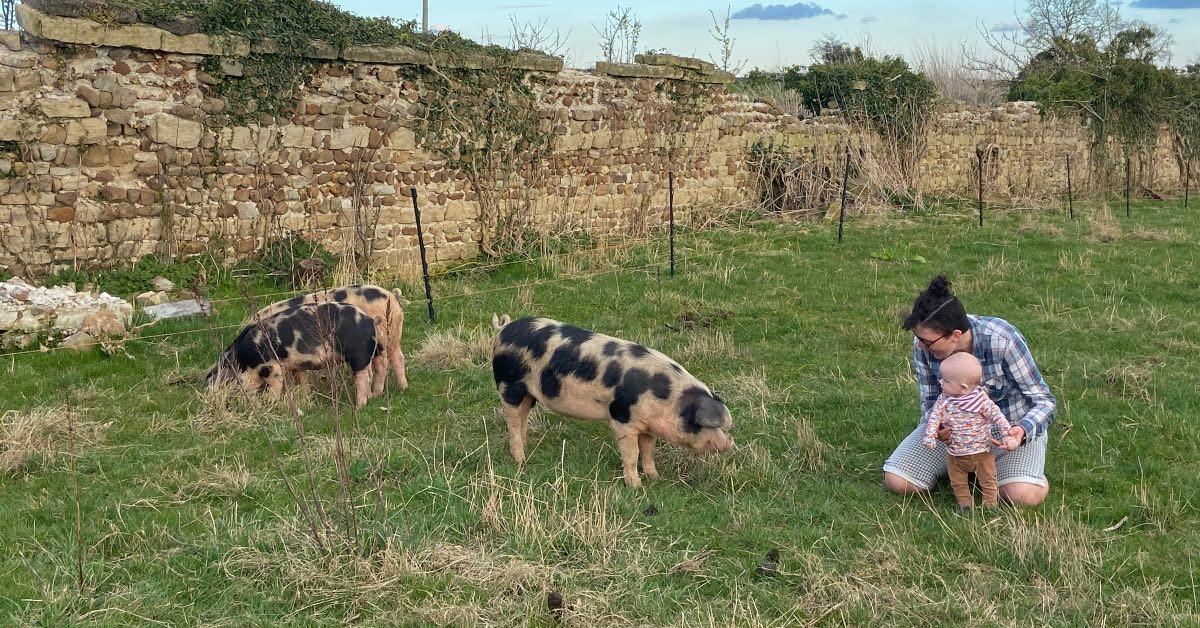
x: 187, y: 516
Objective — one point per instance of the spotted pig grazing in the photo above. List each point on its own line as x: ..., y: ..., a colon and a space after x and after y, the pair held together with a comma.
x: 304, y: 338
x: 642, y: 393
x: 383, y: 305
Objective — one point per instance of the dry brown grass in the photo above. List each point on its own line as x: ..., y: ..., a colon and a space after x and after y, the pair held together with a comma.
x: 808, y: 452
x: 705, y: 343
x: 481, y: 580
x: 455, y: 348
x: 43, y: 434
x: 231, y: 407
x: 1131, y: 380
x: 226, y: 478
x: 1147, y: 234
x: 1032, y: 225
x: 1103, y: 227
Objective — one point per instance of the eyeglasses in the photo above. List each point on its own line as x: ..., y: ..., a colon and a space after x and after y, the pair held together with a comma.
x: 929, y: 343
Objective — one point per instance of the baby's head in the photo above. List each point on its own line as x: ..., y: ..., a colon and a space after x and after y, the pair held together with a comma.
x: 961, y: 373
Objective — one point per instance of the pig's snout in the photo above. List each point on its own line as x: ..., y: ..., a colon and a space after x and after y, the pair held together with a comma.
x: 723, y: 445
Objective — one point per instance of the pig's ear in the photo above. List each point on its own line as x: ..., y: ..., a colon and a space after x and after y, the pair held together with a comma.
x: 710, y: 412
x: 699, y: 410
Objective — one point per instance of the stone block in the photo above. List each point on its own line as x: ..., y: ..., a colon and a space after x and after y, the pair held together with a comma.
x: 64, y: 107
x: 86, y: 131
x: 165, y: 128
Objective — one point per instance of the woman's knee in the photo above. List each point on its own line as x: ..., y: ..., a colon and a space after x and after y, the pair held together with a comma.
x: 897, y: 484
x: 1024, y: 493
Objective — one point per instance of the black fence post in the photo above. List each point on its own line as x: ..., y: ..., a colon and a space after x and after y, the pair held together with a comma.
x: 1070, y: 196
x: 842, y: 207
x: 1126, y: 184
x: 979, y: 157
x: 671, y: 214
x: 424, y: 264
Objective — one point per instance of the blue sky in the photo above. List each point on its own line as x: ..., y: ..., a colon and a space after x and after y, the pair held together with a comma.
x: 773, y: 33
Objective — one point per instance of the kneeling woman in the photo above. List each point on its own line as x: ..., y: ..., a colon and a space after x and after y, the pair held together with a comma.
x: 941, y: 327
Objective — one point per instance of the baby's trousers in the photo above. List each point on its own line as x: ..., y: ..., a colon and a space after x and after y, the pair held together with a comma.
x: 984, y: 466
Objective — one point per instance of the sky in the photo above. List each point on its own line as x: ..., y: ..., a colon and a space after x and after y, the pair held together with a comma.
x: 767, y: 35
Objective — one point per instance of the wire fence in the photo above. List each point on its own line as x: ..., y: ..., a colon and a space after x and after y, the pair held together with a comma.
x: 980, y: 168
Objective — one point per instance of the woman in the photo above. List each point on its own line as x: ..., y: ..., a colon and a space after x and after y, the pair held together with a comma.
x: 941, y: 327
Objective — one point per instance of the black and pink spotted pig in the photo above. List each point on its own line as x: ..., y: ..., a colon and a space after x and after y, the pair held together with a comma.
x: 643, y: 394
x: 381, y: 304
x: 300, y: 339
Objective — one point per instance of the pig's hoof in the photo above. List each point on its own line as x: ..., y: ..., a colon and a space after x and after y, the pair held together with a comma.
x: 652, y: 474
x: 633, y: 482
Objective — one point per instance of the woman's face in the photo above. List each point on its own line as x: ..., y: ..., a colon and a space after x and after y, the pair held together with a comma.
x: 941, y: 344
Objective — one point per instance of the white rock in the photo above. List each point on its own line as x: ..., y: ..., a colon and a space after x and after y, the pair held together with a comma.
x: 178, y: 309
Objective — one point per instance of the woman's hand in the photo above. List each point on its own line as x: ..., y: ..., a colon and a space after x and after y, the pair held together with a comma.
x: 1012, y: 438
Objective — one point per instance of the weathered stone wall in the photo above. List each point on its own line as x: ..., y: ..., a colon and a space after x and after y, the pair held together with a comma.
x: 1025, y: 154
x: 109, y: 152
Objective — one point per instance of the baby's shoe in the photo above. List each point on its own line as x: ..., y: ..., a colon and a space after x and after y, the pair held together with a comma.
x: 963, y: 511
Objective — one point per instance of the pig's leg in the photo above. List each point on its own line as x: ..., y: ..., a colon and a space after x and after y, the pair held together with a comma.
x: 380, y: 367
x: 362, y: 387
x: 627, y: 445
x: 397, y: 358
x: 517, y: 418
x: 646, y: 445
x: 300, y: 379
x: 275, y: 383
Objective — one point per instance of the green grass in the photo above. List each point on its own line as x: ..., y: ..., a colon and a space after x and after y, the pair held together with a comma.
x: 187, y: 518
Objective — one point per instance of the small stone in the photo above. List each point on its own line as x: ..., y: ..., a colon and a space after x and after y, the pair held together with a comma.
x: 54, y: 134
x: 61, y: 214
x: 11, y: 40
x: 162, y: 284
x: 149, y: 298
x: 119, y: 116
x: 95, y: 156
x: 79, y: 342
x: 231, y: 67
x: 89, y: 94
x: 19, y: 293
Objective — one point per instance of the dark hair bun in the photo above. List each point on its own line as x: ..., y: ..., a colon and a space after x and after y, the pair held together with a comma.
x: 939, y: 287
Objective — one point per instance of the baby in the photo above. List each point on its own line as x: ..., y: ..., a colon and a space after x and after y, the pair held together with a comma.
x: 965, y: 408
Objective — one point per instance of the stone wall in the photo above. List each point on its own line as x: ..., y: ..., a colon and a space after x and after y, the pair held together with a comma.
x: 109, y: 151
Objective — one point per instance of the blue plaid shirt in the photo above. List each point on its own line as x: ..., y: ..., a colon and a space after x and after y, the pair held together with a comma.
x: 1010, y: 377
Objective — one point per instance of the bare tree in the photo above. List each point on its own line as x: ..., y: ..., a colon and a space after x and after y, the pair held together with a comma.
x: 8, y: 14
x: 720, y: 33
x: 619, y: 39
x: 1046, y: 26
x: 536, y: 36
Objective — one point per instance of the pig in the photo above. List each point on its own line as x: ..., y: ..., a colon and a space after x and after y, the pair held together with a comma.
x: 301, y: 339
x: 643, y: 394
x: 381, y: 304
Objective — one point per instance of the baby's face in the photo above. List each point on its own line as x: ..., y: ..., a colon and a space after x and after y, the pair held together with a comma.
x: 953, y: 384
x: 960, y: 374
